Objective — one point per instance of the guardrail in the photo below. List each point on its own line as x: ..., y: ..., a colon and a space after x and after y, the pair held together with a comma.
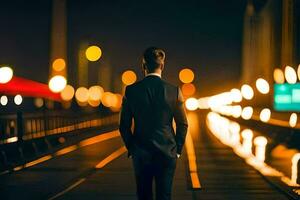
x: 24, y: 136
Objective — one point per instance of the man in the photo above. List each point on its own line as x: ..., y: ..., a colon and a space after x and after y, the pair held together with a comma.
x: 152, y: 104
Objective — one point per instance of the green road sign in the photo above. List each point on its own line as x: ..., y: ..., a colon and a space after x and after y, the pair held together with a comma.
x: 287, y: 97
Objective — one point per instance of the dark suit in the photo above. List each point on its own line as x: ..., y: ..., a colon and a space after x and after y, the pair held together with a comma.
x: 152, y: 104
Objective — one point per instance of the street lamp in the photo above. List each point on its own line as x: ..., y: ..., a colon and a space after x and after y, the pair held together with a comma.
x: 6, y: 74
x: 57, y: 83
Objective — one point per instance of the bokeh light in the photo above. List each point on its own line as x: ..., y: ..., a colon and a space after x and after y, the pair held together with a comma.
x: 293, y: 120
x: 290, y: 75
x: 236, y: 95
x: 236, y: 111
x: 18, y: 99
x: 59, y: 64
x: 278, y: 76
x: 57, y: 83
x: 191, y: 104
x: 96, y: 92
x: 109, y: 99
x: 128, y: 77
x: 247, y: 112
x: 298, y: 71
x: 3, y: 100
x: 93, y: 53
x: 117, y: 106
x: 247, y: 92
x: 38, y: 102
x: 188, y: 89
x: 186, y: 75
x: 82, y: 96
x: 265, y: 115
x: 6, y: 74
x: 68, y: 93
x: 262, y: 86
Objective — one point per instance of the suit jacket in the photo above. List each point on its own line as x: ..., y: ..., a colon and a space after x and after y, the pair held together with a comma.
x: 152, y: 104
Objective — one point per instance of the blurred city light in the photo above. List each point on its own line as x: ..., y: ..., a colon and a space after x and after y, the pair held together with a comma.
x: 38, y: 102
x: 293, y: 120
x: 67, y: 93
x: 93, y: 53
x: 278, y: 76
x: 265, y: 115
x: 247, y: 92
x: 82, y: 96
x: 3, y: 100
x: 298, y: 71
x: 191, y: 104
x: 295, y: 161
x: 129, y: 77
x: 95, y: 95
x: 117, y: 105
x: 57, y: 83
x: 59, y: 64
x: 236, y: 111
x: 6, y: 74
x: 109, y: 99
x: 188, y: 89
x: 18, y: 99
x: 262, y: 86
x: 260, y: 150
x: 290, y: 75
x: 236, y: 95
x: 247, y: 112
x: 247, y: 136
x: 186, y: 75
x: 96, y: 92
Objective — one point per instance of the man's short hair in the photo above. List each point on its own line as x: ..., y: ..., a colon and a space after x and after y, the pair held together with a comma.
x: 153, y: 58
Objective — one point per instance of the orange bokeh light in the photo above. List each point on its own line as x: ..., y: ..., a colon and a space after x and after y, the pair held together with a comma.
x: 59, y: 64
x: 186, y: 75
x: 128, y: 77
x: 188, y: 89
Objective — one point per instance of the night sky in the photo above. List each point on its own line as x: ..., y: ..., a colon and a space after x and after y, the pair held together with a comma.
x: 203, y: 35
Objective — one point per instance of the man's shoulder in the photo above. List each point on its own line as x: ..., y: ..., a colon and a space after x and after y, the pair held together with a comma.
x: 169, y: 85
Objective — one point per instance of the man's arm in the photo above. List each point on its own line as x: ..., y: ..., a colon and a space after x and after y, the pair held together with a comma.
x: 181, y: 122
x: 125, y: 123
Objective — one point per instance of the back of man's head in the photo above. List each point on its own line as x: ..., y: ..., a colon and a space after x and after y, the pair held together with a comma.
x: 153, y: 59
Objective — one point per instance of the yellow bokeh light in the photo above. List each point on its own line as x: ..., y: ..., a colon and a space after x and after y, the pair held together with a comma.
x: 262, y: 86
x: 93, y: 53
x: 95, y: 93
x: 68, y: 93
x: 117, y: 104
x: 18, y: 99
x: 293, y: 120
x: 3, y: 100
x: 59, y: 64
x: 278, y: 76
x: 6, y: 74
x: 57, y: 83
x: 247, y: 112
x: 290, y: 75
x: 186, y: 75
x: 265, y: 115
x: 188, y: 89
x: 82, y: 95
x: 191, y: 104
x: 247, y: 92
x: 128, y: 77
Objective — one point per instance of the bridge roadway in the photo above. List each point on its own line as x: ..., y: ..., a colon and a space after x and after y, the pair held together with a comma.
x: 102, y: 170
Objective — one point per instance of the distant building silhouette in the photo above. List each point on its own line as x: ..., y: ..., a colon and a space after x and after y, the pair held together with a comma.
x: 271, y: 38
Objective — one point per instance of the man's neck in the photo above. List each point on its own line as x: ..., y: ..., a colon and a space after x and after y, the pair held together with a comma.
x: 155, y: 73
